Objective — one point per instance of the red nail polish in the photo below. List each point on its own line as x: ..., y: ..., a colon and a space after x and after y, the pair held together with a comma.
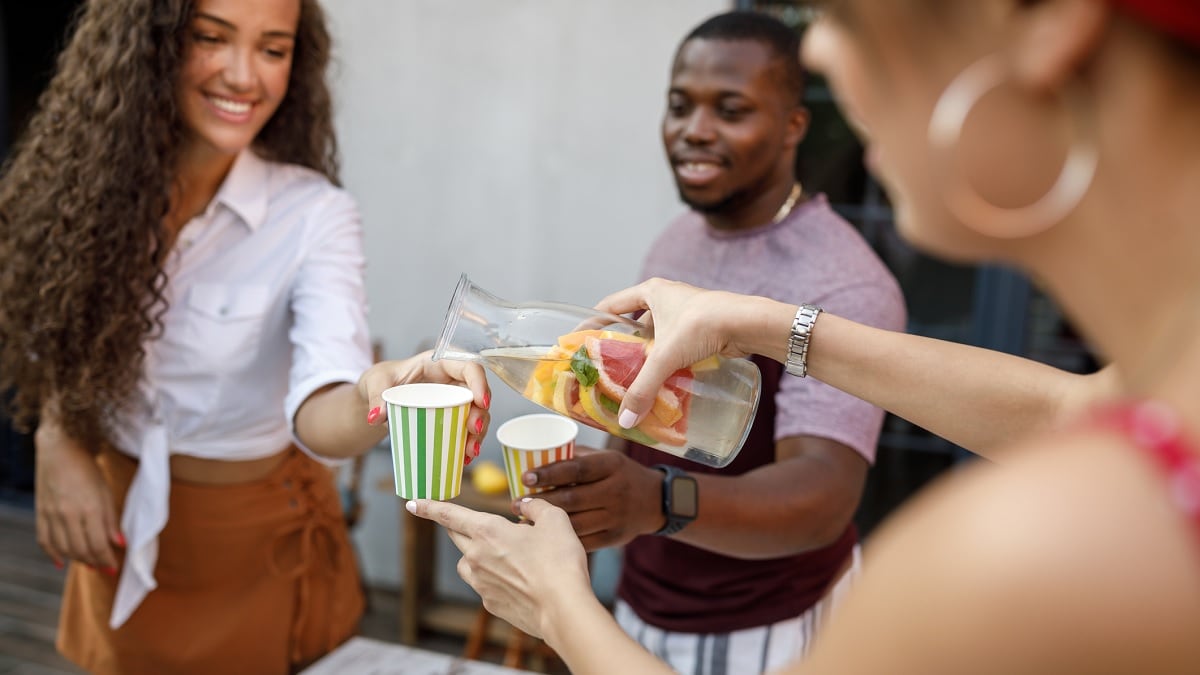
x: 121, y: 540
x: 479, y: 425
x: 487, y: 399
x: 110, y: 571
x: 476, y: 448
x: 467, y: 460
x: 58, y: 564
x: 373, y: 415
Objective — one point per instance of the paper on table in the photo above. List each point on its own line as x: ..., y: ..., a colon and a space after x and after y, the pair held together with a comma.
x: 363, y: 656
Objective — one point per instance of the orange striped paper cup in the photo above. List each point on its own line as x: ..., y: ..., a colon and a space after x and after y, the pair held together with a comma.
x: 531, y: 441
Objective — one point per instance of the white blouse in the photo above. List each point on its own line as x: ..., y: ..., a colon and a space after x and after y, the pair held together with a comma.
x: 266, y: 304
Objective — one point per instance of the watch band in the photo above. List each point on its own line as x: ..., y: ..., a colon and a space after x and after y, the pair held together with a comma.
x: 674, y: 521
x: 802, y: 326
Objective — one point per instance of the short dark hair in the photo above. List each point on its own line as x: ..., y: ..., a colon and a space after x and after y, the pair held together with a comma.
x: 775, y: 35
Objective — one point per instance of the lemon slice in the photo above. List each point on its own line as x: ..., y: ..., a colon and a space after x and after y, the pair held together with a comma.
x: 588, y: 398
x: 561, y: 401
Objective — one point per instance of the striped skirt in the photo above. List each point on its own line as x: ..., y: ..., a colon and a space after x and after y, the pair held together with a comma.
x: 742, y: 652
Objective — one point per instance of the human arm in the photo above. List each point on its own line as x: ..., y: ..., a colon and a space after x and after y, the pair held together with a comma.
x: 334, y: 400
x: 800, y: 502
x: 1068, y: 559
x: 535, y: 577
x: 975, y: 397
x: 76, y: 511
x: 343, y: 420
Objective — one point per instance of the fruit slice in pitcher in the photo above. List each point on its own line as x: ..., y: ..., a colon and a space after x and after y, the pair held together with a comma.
x: 600, y: 408
x: 617, y: 363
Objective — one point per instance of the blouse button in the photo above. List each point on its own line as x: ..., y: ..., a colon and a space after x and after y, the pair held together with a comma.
x: 223, y: 311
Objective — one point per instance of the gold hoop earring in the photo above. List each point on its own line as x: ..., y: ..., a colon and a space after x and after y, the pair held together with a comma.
x: 976, y: 212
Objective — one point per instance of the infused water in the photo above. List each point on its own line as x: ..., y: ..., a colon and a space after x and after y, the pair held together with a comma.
x: 711, y: 424
x: 579, y: 362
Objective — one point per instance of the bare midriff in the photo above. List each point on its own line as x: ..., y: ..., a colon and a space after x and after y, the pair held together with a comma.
x: 223, y: 472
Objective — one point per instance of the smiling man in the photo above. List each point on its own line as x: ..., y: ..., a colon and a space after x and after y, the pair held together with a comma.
x: 738, y: 565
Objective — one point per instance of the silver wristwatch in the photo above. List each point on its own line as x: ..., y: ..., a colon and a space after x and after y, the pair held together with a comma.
x: 802, y: 326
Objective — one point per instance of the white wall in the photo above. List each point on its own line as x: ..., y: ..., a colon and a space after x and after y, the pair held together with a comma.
x: 515, y: 140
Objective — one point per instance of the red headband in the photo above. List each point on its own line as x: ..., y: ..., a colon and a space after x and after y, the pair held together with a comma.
x: 1180, y: 18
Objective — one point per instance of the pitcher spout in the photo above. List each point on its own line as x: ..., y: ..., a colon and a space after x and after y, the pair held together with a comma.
x: 473, y: 324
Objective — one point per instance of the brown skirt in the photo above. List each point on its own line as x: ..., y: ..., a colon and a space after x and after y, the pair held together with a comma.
x: 254, y: 578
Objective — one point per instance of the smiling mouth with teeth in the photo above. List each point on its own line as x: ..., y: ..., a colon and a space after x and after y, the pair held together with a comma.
x: 233, y: 107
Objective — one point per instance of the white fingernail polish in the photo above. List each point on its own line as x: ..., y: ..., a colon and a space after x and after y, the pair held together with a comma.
x: 628, y: 419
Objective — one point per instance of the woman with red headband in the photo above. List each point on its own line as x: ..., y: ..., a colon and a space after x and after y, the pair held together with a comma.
x: 1058, y: 136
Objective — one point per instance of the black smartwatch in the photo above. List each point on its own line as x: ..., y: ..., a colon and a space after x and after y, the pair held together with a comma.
x: 680, y: 499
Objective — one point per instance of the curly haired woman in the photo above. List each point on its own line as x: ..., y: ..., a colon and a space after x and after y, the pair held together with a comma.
x: 184, y: 321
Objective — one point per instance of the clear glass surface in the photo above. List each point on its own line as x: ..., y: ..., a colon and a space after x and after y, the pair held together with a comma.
x: 576, y: 362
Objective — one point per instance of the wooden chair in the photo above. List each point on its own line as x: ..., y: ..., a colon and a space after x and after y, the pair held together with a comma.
x: 522, y: 651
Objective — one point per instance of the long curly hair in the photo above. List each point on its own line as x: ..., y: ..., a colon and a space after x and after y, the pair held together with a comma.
x: 84, y: 196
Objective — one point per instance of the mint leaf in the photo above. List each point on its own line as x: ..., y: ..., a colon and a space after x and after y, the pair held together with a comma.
x: 585, y: 371
x: 609, y: 404
x: 638, y: 436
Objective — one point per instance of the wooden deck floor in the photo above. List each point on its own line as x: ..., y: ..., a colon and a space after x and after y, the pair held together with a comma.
x: 31, y: 589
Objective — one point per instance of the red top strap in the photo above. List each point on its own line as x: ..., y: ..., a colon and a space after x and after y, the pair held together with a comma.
x: 1180, y: 18
x: 1156, y: 429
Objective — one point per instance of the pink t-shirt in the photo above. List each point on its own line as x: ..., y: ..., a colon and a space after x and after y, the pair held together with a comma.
x: 812, y: 256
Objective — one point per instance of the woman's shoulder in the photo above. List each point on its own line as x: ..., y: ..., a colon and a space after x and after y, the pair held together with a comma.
x: 298, y: 188
x: 1069, y: 558
x: 285, y: 176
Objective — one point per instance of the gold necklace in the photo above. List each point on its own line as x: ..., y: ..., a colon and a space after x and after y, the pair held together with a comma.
x: 789, y: 204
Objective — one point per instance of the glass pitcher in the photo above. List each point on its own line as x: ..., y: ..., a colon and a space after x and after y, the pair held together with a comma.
x: 577, y: 362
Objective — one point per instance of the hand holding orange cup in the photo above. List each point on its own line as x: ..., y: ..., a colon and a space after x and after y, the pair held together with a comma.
x: 531, y: 441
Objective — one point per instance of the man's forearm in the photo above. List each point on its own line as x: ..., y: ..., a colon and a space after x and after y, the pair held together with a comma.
x: 785, y: 508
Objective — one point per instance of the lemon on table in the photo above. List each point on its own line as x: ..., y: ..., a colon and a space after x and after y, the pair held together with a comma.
x: 489, y: 478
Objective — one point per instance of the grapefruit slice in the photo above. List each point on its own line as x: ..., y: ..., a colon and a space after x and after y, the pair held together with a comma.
x: 664, y: 433
x: 618, y: 363
x: 667, y: 406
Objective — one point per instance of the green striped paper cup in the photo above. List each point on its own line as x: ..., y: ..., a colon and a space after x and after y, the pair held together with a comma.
x: 428, y: 425
x: 531, y: 441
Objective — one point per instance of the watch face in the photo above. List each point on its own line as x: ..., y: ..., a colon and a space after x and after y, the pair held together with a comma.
x: 684, y: 497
